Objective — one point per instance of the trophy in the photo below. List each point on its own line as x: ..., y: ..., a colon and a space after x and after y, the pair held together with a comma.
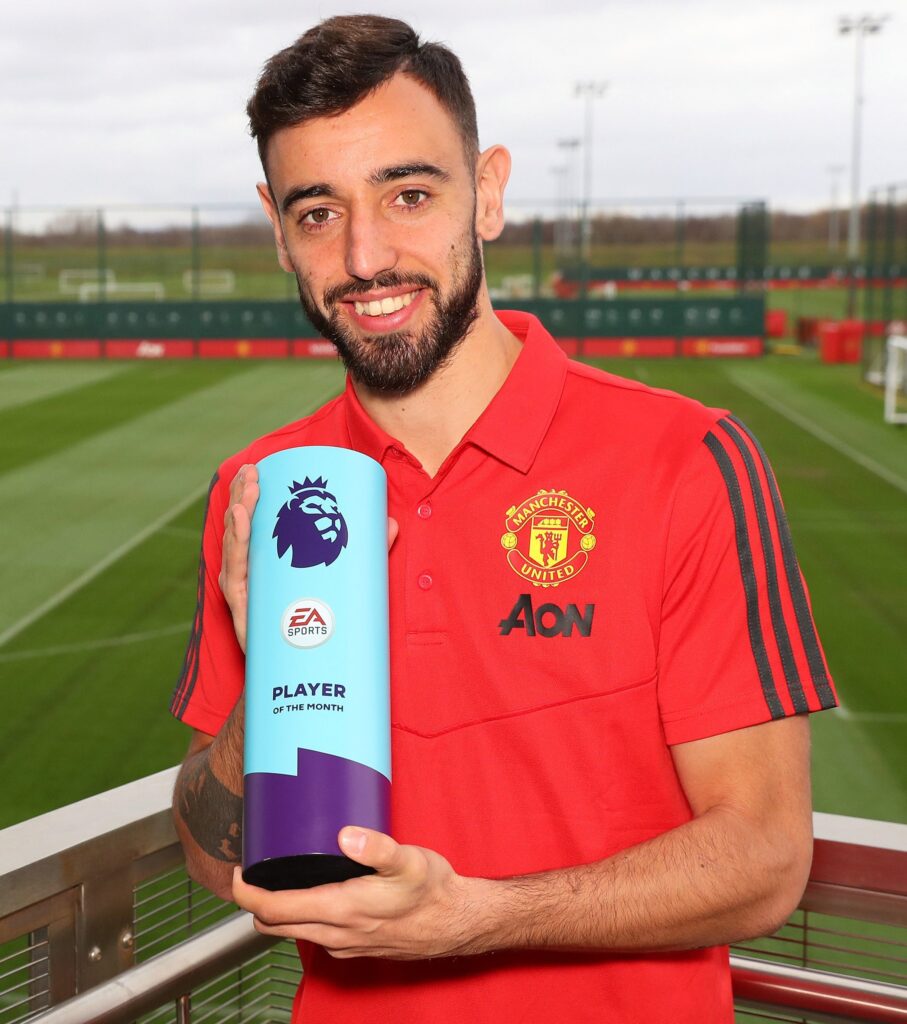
x: 317, y: 715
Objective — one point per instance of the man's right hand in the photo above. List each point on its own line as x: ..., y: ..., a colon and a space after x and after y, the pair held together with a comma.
x: 234, y: 572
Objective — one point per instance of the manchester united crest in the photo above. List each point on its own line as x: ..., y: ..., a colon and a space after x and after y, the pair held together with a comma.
x: 549, y: 537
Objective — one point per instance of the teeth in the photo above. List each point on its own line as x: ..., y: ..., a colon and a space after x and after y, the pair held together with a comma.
x: 383, y: 307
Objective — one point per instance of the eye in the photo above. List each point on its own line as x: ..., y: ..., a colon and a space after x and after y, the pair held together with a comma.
x: 411, y: 197
x: 318, y: 217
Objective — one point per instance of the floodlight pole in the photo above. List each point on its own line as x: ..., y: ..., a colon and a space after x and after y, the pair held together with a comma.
x: 864, y: 25
x: 591, y: 90
x: 569, y: 146
x: 560, y: 172
x: 834, y: 224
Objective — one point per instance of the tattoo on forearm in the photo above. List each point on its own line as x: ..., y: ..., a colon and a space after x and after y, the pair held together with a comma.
x: 211, y: 812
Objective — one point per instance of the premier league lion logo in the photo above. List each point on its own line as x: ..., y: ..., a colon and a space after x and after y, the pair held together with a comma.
x: 311, y: 524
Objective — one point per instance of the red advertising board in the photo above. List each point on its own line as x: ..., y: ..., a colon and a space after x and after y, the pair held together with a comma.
x: 312, y: 348
x: 629, y: 347
x: 569, y: 345
x: 725, y: 347
x: 317, y: 348
x: 23, y: 348
x: 157, y: 348
x: 243, y: 348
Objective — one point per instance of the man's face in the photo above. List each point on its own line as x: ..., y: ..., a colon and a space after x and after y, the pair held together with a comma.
x: 375, y: 213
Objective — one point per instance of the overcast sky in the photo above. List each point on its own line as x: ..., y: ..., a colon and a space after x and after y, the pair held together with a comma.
x: 103, y: 101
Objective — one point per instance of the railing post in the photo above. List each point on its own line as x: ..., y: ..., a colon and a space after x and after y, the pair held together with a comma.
x: 184, y: 1009
x: 104, y: 929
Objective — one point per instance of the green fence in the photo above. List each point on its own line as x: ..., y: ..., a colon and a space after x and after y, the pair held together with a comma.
x: 642, y: 318
x: 887, y: 253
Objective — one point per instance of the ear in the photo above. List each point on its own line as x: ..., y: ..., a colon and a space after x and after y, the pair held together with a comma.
x: 270, y: 207
x: 492, y: 172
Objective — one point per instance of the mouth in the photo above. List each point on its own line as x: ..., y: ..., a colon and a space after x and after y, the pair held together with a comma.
x: 385, y: 311
x: 385, y: 306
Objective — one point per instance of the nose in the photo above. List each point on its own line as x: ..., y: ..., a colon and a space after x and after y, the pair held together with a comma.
x: 369, y: 245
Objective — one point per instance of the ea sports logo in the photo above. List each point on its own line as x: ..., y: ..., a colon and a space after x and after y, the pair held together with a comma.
x: 307, y: 622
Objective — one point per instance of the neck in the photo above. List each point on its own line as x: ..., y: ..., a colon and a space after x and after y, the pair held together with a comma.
x: 433, y: 418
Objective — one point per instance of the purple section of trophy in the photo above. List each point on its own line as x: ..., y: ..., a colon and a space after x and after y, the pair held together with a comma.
x: 302, y: 813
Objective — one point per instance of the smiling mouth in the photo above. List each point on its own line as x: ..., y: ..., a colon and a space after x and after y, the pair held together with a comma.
x: 384, y: 307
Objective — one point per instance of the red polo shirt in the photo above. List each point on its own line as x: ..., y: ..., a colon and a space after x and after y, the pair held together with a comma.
x: 599, y: 570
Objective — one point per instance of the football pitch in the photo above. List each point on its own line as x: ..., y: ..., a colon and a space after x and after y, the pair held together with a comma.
x: 104, y: 467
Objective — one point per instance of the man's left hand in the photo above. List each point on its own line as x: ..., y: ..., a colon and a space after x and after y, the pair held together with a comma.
x: 414, y: 907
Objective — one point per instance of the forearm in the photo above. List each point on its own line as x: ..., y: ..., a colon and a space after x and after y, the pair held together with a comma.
x: 207, y: 806
x: 711, y: 881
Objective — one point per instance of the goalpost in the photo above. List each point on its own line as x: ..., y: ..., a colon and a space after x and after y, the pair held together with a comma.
x: 896, y: 376
x: 885, y: 297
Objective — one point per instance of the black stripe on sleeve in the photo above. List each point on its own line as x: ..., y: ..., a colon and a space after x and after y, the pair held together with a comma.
x: 747, y: 574
x: 189, y: 672
x: 779, y: 625
x: 795, y: 582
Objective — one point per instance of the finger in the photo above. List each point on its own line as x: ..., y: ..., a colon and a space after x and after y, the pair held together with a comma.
x: 236, y: 488
x: 248, y: 497
x: 271, y: 909
x: 393, y: 528
x: 374, y: 849
x: 235, y: 563
x: 338, y: 939
x: 326, y: 905
x: 234, y: 570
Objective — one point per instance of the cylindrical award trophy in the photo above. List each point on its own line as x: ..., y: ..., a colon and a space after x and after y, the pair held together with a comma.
x: 317, y: 726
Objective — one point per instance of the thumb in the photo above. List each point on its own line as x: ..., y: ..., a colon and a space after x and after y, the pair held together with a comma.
x: 373, y: 849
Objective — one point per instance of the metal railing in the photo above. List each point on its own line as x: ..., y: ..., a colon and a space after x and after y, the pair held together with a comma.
x: 95, y: 904
x: 99, y: 923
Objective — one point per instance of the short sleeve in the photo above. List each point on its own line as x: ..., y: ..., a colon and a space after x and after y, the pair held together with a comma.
x: 213, y: 672
x: 737, y: 645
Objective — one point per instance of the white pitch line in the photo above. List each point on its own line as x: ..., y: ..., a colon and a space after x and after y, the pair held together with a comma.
x: 889, y: 476
x: 847, y: 715
x: 86, y: 577
x: 94, y: 645
x: 876, y: 716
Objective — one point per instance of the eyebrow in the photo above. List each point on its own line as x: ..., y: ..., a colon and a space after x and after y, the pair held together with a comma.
x: 387, y: 174
x: 296, y: 195
x: 382, y: 176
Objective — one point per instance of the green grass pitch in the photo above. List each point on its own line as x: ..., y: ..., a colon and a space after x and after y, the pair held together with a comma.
x: 104, y: 467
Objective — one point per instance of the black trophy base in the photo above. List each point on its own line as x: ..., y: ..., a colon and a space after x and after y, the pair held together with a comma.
x: 303, y: 872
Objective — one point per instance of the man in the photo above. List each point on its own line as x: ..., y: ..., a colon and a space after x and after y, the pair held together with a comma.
x: 601, y: 647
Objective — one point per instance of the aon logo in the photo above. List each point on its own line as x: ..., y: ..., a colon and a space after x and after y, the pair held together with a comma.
x: 548, y: 619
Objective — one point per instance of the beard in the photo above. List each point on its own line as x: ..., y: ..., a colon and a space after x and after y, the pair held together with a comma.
x: 399, y: 362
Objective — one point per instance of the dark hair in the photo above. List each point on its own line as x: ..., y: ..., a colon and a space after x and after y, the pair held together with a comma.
x: 341, y: 60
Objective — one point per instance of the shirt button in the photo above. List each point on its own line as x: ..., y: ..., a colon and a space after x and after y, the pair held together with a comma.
x: 425, y: 581
x: 424, y: 510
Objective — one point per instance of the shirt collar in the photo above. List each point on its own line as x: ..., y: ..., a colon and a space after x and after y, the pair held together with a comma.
x: 514, y: 422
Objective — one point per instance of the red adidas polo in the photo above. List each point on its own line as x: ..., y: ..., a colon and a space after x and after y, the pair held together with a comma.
x: 598, y: 570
